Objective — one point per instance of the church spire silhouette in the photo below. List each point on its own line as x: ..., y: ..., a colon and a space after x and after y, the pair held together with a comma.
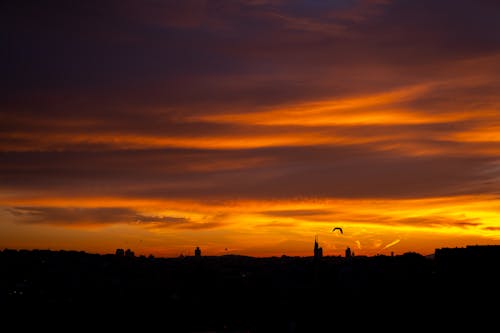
x: 318, y: 251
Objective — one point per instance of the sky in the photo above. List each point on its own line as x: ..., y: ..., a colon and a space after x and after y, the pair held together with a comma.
x: 250, y: 126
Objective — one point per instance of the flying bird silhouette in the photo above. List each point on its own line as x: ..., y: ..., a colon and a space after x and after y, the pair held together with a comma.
x: 339, y: 229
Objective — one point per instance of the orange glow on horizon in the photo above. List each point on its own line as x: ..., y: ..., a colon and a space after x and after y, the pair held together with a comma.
x: 253, y: 227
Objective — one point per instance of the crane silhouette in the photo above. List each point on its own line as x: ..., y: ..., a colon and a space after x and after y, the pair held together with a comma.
x: 339, y: 229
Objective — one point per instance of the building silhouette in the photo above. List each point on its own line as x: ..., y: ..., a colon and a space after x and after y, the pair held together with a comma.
x: 197, y: 252
x: 129, y: 253
x: 348, y: 253
x: 318, y: 251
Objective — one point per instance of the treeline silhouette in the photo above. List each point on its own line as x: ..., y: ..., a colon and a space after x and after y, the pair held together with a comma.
x: 234, y: 293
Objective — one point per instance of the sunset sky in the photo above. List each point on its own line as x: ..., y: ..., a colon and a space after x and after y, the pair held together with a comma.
x: 249, y: 127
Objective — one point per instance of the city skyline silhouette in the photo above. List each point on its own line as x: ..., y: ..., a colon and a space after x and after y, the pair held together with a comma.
x: 206, y: 166
x: 234, y: 293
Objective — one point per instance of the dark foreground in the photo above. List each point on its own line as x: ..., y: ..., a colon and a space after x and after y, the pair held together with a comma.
x: 456, y: 289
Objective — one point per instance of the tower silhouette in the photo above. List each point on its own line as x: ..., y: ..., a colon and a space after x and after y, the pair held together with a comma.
x: 348, y: 252
x: 197, y: 252
x: 318, y: 251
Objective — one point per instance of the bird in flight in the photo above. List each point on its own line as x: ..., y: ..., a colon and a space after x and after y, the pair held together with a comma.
x: 339, y: 229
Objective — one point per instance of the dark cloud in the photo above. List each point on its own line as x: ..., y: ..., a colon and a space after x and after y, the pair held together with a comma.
x: 492, y: 228
x: 258, y: 173
x: 160, y: 219
x: 75, y: 216
x: 72, y: 216
x: 440, y: 221
x: 116, y: 53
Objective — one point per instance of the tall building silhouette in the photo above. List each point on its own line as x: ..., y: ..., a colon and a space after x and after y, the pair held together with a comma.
x: 197, y: 252
x: 348, y: 253
x: 318, y: 251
